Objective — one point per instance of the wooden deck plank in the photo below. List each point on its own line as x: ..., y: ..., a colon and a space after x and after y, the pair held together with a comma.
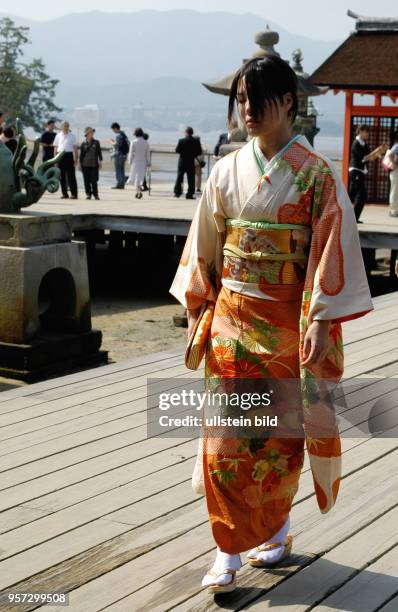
x: 47, y: 496
x: 40, y: 447
x: 95, y: 389
x: 71, y: 405
x: 391, y: 605
x: 356, y: 495
x: 19, y: 515
x: 101, y: 533
x: 110, y: 554
x: 68, y: 458
x: 387, y: 341
x: 369, y: 589
x: 92, y: 508
x: 94, y: 374
x: 358, y: 503
x: 101, y: 482
x: 302, y: 590
x: 386, y: 322
x: 82, y: 522
x: 121, y: 369
x: 177, y: 590
x: 138, y: 401
x: 328, y: 573
x: 357, y: 409
x: 80, y: 449
x: 61, y: 443
x: 370, y: 364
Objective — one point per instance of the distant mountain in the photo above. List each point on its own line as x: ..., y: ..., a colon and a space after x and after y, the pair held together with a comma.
x: 158, y: 58
x: 164, y: 91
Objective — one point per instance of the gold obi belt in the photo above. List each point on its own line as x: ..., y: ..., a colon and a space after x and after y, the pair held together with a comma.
x: 266, y: 258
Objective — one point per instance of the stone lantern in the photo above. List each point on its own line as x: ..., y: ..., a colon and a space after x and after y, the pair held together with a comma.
x: 306, y: 118
x: 45, y: 318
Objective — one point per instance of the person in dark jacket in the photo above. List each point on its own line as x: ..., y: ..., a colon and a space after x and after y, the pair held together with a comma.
x: 47, y: 140
x: 224, y: 138
x: 8, y: 137
x: 90, y: 160
x: 360, y: 155
x: 188, y: 148
x: 121, y: 147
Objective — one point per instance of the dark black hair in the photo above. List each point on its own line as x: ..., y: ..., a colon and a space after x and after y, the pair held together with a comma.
x: 189, y: 130
x: 146, y: 136
x: 395, y: 136
x: 50, y: 122
x: 362, y: 127
x: 115, y: 126
x: 9, y: 132
x: 138, y: 132
x: 267, y: 80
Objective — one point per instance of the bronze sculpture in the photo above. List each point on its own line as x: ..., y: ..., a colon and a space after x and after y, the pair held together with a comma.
x: 20, y: 184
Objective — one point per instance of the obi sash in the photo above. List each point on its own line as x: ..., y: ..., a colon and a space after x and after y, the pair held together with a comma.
x: 266, y: 260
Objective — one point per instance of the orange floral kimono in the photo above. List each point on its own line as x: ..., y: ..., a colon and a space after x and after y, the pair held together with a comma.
x: 273, y: 246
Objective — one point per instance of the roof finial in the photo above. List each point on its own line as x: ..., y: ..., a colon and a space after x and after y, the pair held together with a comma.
x: 297, y: 57
x: 266, y: 41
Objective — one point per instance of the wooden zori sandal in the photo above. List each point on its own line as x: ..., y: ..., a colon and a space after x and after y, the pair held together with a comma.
x: 222, y: 588
x: 266, y: 547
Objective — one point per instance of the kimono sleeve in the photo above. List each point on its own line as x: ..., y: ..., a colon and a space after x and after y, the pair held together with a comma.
x: 198, y: 277
x: 336, y: 285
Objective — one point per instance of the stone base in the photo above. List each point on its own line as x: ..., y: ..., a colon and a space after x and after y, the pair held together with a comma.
x: 52, y: 354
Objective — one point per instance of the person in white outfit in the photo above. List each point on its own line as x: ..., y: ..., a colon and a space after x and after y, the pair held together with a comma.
x: 139, y: 160
x: 393, y: 199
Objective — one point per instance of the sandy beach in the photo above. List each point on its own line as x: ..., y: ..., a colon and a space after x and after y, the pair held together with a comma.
x: 133, y: 327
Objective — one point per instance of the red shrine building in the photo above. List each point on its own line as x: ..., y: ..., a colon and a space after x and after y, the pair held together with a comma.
x: 367, y: 64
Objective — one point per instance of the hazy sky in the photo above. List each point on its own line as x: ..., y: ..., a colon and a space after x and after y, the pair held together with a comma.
x: 322, y: 19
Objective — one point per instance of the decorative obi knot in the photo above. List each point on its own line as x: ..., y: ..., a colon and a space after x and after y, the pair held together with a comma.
x: 265, y: 256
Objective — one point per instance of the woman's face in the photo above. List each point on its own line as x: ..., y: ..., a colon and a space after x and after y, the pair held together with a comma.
x: 274, y: 117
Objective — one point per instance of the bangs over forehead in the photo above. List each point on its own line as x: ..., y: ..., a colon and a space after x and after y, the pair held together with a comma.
x: 265, y: 80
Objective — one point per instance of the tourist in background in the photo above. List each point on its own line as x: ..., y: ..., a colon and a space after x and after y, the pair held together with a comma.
x: 144, y: 184
x: 224, y: 138
x: 8, y: 138
x: 65, y: 141
x: 90, y: 161
x: 47, y: 140
x: 139, y: 159
x: 360, y: 155
x: 121, y: 147
x: 393, y: 198
x: 188, y: 148
x: 199, y: 165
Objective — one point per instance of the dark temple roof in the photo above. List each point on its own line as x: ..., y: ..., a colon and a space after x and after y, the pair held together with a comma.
x: 367, y: 60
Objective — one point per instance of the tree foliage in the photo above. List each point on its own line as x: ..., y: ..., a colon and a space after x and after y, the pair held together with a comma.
x: 26, y: 90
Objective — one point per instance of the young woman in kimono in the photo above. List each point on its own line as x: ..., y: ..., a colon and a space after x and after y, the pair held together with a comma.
x: 273, y: 250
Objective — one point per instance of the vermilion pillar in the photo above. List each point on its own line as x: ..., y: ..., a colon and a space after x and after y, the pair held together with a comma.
x: 347, y: 136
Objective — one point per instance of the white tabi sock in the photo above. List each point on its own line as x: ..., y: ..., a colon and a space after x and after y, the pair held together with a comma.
x: 223, y: 562
x: 275, y: 554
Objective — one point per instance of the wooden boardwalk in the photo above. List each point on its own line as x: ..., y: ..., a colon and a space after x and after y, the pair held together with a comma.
x: 163, y: 214
x: 91, y: 506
